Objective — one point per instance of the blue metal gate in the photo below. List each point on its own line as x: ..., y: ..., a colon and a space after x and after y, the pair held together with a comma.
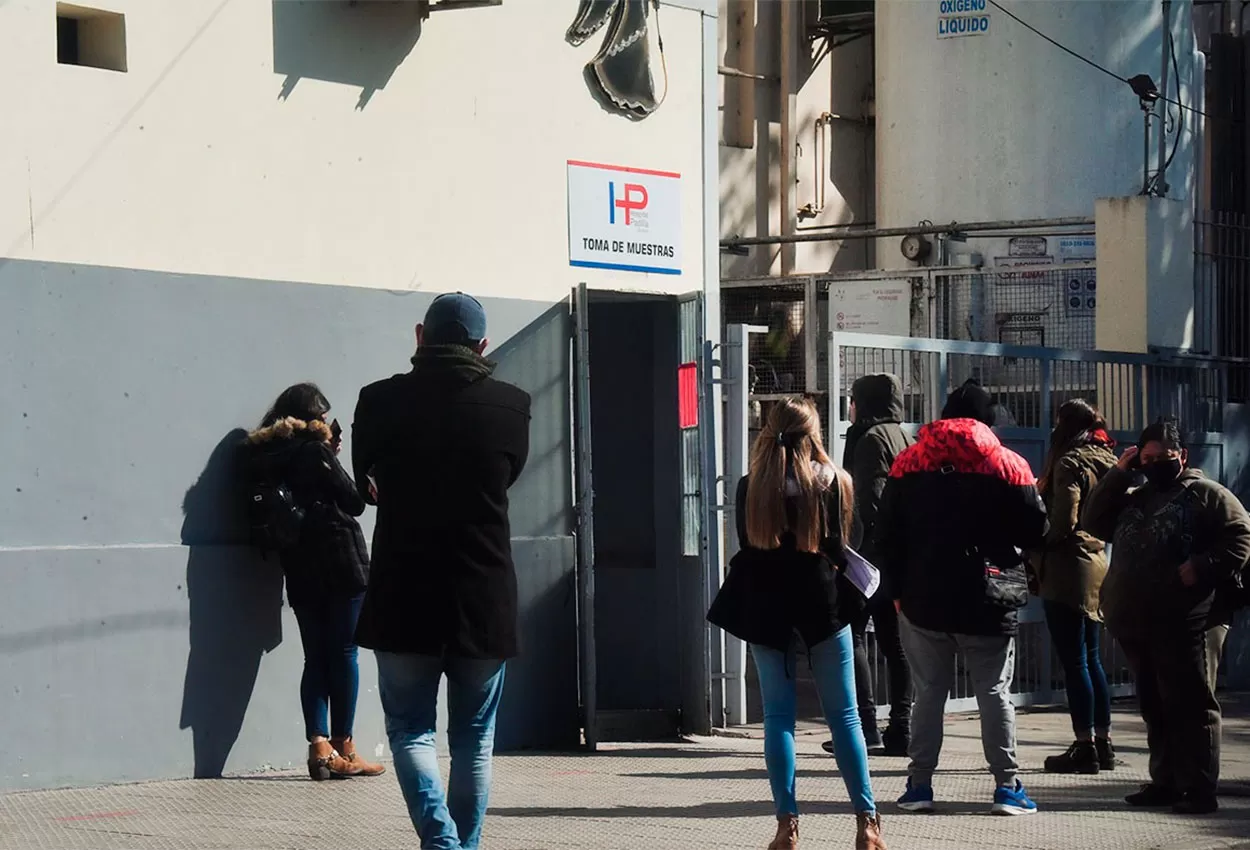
x: 1028, y: 384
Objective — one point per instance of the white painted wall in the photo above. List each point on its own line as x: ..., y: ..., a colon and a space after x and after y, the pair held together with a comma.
x: 1005, y: 125
x: 209, y: 157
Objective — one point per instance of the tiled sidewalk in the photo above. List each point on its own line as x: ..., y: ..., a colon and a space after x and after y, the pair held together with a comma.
x: 710, y: 793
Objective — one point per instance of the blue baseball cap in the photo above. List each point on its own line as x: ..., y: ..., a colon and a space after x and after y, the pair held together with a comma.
x: 454, y: 318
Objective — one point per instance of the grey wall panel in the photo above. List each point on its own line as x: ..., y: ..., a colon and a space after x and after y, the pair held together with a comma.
x: 129, y: 655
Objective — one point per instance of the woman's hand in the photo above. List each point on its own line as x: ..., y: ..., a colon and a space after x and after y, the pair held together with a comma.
x: 1128, y: 460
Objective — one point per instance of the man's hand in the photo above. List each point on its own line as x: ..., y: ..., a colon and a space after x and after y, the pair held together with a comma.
x: 1189, y: 575
x: 1128, y: 460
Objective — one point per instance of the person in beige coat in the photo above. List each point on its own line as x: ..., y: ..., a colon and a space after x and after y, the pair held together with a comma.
x: 1068, y: 571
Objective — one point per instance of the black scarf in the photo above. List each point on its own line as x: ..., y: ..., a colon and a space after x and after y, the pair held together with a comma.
x: 457, y: 361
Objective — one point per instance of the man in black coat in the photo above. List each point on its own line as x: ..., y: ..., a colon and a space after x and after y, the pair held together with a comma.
x: 874, y: 440
x: 436, y: 449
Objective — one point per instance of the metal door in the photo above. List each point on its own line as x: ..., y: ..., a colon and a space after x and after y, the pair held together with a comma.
x: 644, y: 540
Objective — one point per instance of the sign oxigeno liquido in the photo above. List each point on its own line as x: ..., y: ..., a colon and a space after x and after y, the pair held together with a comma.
x: 623, y: 218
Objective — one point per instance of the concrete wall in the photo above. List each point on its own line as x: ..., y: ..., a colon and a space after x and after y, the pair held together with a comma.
x: 143, y: 641
x: 838, y: 159
x: 1146, y: 271
x: 1005, y: 125
x: 158, y: 242
x: 322, y: 143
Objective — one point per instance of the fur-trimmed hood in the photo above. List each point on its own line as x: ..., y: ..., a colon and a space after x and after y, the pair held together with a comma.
x: 291, y: 428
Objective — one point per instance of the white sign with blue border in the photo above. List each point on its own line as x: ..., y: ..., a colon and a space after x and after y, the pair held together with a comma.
x: 623, y: 218
x: 957, y: 18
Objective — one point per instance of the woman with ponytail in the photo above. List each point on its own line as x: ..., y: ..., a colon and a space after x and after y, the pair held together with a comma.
x: 794, y: 519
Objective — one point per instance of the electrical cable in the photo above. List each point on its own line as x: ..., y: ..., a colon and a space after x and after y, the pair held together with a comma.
x: 1090, y: 62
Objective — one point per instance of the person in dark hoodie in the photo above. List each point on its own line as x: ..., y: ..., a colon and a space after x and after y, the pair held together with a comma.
x: 326, y: 571
x: 873, y: 441
x: 437, y: 449
x: 1069, y: 569
x: 1176, y: 540
x: 957, y: 510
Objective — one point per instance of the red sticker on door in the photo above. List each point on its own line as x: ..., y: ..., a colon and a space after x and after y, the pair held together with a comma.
x: 688, y: 395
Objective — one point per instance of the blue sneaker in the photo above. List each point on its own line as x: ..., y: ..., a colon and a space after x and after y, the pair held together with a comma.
x: 917, y: 798
x: 1013, y: 801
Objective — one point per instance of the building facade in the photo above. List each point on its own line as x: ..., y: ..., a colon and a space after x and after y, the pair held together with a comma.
x: 210, y: 200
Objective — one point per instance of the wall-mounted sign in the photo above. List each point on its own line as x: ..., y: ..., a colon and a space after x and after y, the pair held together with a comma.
x: 622, y: 218
x: 1076, y: 248
x: 962, y: 17
x: 1027, y: 246
x: 1021, y: 270
x: 871, y: 307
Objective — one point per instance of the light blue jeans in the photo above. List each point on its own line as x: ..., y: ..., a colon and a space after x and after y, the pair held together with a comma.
x: 409, y: 689
x: 833, y: 665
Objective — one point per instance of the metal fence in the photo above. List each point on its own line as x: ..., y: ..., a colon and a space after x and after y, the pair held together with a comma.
x: 1028, y: 383
x: 1222, y: 292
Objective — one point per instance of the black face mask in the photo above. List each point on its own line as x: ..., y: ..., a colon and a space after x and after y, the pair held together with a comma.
x: 1163, y: 472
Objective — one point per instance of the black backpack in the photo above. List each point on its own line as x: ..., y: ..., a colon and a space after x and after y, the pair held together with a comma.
x: 275, y: 520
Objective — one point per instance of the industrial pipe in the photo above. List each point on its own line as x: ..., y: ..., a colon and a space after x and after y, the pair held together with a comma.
x: 882, y: 232
x: 1161, y: 181
x: 786, y: 176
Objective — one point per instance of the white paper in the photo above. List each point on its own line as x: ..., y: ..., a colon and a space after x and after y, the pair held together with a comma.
x: 862, y: 574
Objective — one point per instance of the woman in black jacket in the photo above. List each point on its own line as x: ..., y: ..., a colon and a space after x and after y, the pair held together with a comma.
x: 326, y: 570
x: 794, y: 514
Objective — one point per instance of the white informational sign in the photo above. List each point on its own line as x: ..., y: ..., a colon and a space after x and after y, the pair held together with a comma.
x: 870, y: 307
x: 622, y: 218
x: 962, y: 17
x: 1016, y: 270
x: 1076, y: 248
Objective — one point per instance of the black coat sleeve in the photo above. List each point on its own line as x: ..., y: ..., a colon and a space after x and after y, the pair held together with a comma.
x: 364, y: 449
x: 890, y: 539
x: 339, y: 486
x: 1025, y: 517
x: 870, y: 469
x: 521, y: 451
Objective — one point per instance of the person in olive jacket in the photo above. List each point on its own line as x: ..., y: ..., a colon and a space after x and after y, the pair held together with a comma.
x: 437, y: 449
x: 326, y: 571
x: 873, y: 441
x: 1069, y: 570
x: 1175, y: 540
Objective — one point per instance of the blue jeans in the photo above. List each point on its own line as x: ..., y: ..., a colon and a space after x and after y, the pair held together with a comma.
x: 833, y: 665
x: 331, y: 680
x: 409, y: 689
x: 1075, y: 637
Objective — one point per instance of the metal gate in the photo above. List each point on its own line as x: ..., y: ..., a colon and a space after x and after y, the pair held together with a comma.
x: 1028, y: 384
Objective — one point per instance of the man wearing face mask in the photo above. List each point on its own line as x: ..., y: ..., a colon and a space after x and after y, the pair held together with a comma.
x: 1176, y: 539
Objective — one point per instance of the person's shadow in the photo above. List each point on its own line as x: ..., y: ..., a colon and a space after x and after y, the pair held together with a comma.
x: 236, y: 608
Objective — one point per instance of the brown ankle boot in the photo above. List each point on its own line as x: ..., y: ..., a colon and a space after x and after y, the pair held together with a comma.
x: 356, y: 766
x: 325, y: 763
x: 787, y: 833
x: 868, y: 832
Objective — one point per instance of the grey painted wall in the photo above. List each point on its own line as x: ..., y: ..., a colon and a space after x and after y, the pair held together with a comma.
x: 129, y: 655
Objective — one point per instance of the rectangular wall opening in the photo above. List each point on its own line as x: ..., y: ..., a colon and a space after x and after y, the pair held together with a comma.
x: 92, y: 38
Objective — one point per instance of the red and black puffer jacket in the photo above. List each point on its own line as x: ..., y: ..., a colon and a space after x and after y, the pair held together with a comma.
x: 956, y: 500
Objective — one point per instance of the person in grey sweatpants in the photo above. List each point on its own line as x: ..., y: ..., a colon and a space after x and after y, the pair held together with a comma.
x: 991, y: 664
x: 956, y: 512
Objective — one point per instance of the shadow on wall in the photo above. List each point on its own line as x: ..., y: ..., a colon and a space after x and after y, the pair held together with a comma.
x: 336, y: 41
x: 236, y: 609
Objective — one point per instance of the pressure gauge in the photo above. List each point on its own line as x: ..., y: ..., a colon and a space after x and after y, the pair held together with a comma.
x: 914, y: 247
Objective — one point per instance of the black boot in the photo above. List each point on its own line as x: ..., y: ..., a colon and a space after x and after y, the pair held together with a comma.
x: 1152, y: 796
x: 1196, y: 803
x: 1081, y: 757
x: 895, y: 740
x: 1106, y: 753
x: 872, y: 734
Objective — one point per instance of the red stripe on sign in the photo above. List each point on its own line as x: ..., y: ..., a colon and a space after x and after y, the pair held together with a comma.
x: 688, y: 395
x: 624, y: 168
